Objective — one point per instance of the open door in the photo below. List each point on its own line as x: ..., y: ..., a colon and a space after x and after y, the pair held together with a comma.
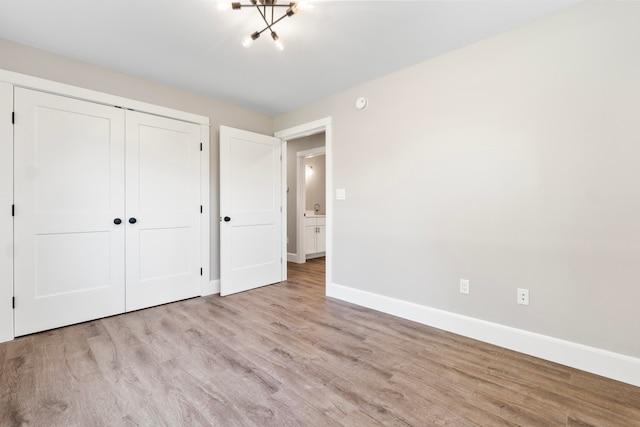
x: 250, y: 210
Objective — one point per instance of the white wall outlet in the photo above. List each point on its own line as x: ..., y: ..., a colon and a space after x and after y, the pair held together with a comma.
x: 523, y: 296
x: 464, y: 286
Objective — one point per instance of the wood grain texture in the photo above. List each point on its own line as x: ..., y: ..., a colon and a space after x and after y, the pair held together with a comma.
x: 285, y: 355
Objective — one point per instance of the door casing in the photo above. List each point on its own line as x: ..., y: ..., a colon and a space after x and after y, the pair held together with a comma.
x: 307, y: 129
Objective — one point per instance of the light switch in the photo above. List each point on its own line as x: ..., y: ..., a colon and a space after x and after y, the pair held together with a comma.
x: 341, y: 194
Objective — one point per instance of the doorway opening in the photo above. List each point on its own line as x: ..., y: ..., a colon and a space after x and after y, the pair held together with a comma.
x: 307, y: 150
x: 306, y: 198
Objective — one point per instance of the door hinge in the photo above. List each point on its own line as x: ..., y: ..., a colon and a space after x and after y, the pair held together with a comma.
x: 13, y: 118
x: 13, y: 210
x: 201, y: 271
x: 280, y: 260
x: 201, y: 146
x: 200, y: 208
x: 13, y: 302
x: 280, y: 208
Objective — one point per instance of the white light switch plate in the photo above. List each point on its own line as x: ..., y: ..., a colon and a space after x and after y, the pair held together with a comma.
x: 341, y: 194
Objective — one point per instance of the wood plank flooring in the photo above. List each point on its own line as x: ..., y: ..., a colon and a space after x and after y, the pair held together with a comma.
x: 284, y: 355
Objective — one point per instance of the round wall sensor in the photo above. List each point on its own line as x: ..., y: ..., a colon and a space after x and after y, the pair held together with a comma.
x: 361, y: 103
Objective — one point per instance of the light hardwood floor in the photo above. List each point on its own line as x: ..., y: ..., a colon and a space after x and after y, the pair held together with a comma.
x: 284, y: 355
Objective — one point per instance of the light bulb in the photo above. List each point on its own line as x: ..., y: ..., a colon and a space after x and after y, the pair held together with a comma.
x: 307, y: 5
x: 224, y: 5
x: 247, y: 41
x: 277, y: 41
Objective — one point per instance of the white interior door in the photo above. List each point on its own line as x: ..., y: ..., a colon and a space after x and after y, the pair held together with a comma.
x: 163, y: 198
x: 6, y: 222
x: 69, y: 188
x: 250, y: 210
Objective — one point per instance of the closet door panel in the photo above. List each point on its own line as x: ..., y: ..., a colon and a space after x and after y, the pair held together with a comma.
x: 69, y: 188
x: 163, y: 196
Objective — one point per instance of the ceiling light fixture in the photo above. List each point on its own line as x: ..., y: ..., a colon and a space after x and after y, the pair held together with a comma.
x: 267, y: 10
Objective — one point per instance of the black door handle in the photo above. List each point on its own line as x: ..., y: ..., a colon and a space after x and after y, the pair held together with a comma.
x: 117, y: 221
x: 132, y: 220
x: 227, y: 219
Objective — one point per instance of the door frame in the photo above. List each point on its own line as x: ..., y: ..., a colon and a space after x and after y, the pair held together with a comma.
x: 6, y: 220
x: 301, y: 197
x: 307, y: 129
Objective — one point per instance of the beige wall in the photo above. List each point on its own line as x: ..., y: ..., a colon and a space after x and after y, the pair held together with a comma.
x: 513, y: 163
x: 35, y: 62
x: 293, y: 147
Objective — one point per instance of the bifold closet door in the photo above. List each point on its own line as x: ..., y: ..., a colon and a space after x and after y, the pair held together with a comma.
x: 69, y: 191
x: 163, y: 210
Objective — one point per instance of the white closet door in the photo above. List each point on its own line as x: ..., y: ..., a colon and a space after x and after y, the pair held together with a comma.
x: 69, y: 188
x: 6, y: 222
x: 163, y: 198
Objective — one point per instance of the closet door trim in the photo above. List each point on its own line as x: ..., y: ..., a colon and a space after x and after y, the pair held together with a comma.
x: 6, y: 218
x: 36, y: 83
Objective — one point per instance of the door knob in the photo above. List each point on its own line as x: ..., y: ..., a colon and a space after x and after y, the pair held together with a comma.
x: 132, y: 220
x: 227, y: 219
x: 117, y: 221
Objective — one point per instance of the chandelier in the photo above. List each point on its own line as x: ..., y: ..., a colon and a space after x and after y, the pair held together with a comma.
x: 267, y: 10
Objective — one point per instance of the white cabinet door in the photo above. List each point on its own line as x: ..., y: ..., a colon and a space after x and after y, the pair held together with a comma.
x: 321, y: 238
x: 6, y: 222
x: 310, y: 240
x: 163, y: 198
x: 250, y: 207
x: 69, y: 188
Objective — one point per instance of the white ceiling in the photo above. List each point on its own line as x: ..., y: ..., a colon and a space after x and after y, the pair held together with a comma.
x: 191, y: 45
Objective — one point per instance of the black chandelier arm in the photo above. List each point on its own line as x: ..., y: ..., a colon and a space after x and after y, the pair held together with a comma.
x: 264, y: 17
x: 239, y: 5
x: 266, y: 21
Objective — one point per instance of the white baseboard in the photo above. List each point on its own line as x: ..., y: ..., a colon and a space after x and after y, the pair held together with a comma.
x: 590, y: 359
x: 213, y: 287
x: 292, y: 257
x: 316, y: 255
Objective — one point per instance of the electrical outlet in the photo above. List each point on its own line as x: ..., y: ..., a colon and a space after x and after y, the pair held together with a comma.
x: 523, y: 296
x: 464, y: 286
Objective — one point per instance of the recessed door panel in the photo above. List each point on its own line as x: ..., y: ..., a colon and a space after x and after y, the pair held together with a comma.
x: 69, y: 188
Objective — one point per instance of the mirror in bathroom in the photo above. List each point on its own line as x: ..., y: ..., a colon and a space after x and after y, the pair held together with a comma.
x: 315, y: 186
